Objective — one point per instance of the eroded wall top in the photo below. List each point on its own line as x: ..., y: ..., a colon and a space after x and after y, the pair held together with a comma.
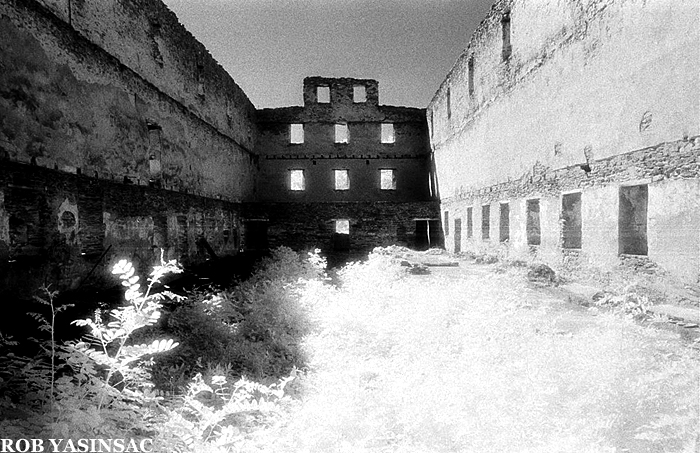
x: 561, y: 83
x: 146, y: 37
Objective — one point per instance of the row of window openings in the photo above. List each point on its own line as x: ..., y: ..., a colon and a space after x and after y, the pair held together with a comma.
x: 632, y: 221
x: 387, y: 179
x: 342, y: 134
x: 506, y: 52
x: 359, y: 94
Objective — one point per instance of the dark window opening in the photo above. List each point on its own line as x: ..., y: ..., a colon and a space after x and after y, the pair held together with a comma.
x: 458, y: 236
x: 632, y: 224
x: 255, y: 235
x: 449, y: 104
x: 532, y: 226
x: 470, y: 223
x: 504, y: 223
x: 485, y: 221
x: 505, y: 27
x: 470, y: 69
x: 427, y: 234
x: 571, y: 216
x: 447, y: 223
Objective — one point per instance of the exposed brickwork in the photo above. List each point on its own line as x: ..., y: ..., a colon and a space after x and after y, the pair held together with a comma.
x: 41, y: 244
x: 667, y: 161
x: 306, y: 218
x: 311, y: 225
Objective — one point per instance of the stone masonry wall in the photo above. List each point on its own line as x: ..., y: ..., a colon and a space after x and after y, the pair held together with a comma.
x: 68, y: 103
x: 377, y: 216
x: 119, y: 136
x: 363, y: 155
x: 588, y: 97
x: 311, y: 225
x: 68, y: 230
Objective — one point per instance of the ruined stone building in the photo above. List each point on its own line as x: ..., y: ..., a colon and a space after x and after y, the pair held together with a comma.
x: 120, y: 136
x: 344, y: 172
x: 570, y: 130
x: 567, y: 129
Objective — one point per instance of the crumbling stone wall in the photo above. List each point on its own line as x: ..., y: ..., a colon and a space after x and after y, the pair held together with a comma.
x: 305, y: 220
x: 119, y: 135
x: 311, y: 225
x: 570, y: 96
x: 68, y: 230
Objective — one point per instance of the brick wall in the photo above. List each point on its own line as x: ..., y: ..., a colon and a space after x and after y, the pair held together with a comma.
x: 312, y: 225
x: 56, y: 227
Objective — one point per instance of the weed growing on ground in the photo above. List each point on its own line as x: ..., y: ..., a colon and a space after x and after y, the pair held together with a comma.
x: 481, y: 363
x: 392, y: 363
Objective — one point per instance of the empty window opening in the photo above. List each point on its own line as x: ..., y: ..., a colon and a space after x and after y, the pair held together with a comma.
x: 323, y: 95
x: 359, y: 93
x: 458, y: 236
x: 446, y: 223
x: 297, y: 180
x: 504, y: 223
x: 387, y: 177
x: 532, y: 224
x: 571, y: 217
x: 505, y: 27
x: 449, y: 104
x: 341, y: 235
x: 427, y: 234
x: 470, y: 70
x: 342, y: 226
x: 486, y: 221
x: 342, y: 179
x: 470, y: 223
x: 296, y: 133
x: 632, y: 223
x: 255, y: 235
x: 388, y: 133
x: 341, y: 133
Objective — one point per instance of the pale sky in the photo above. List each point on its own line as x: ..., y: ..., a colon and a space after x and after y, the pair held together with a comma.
x: 269, y: 46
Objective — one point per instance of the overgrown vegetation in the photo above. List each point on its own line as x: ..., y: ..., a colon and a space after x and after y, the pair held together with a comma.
x: 380, y: 361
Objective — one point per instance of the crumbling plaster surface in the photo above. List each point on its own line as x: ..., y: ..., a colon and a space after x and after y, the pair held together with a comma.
x: 145, y: 36
x: 594, y: 95
x: 581, y: 75
x: 674, y: 226
x: 67, y: 104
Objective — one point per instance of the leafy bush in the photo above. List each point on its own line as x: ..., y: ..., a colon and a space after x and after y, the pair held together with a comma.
x: 94, y: 387
x: 257, y: 327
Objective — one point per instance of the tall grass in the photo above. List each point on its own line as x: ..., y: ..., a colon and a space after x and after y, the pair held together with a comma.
x: 390, y: 362
x: 481, y: 364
